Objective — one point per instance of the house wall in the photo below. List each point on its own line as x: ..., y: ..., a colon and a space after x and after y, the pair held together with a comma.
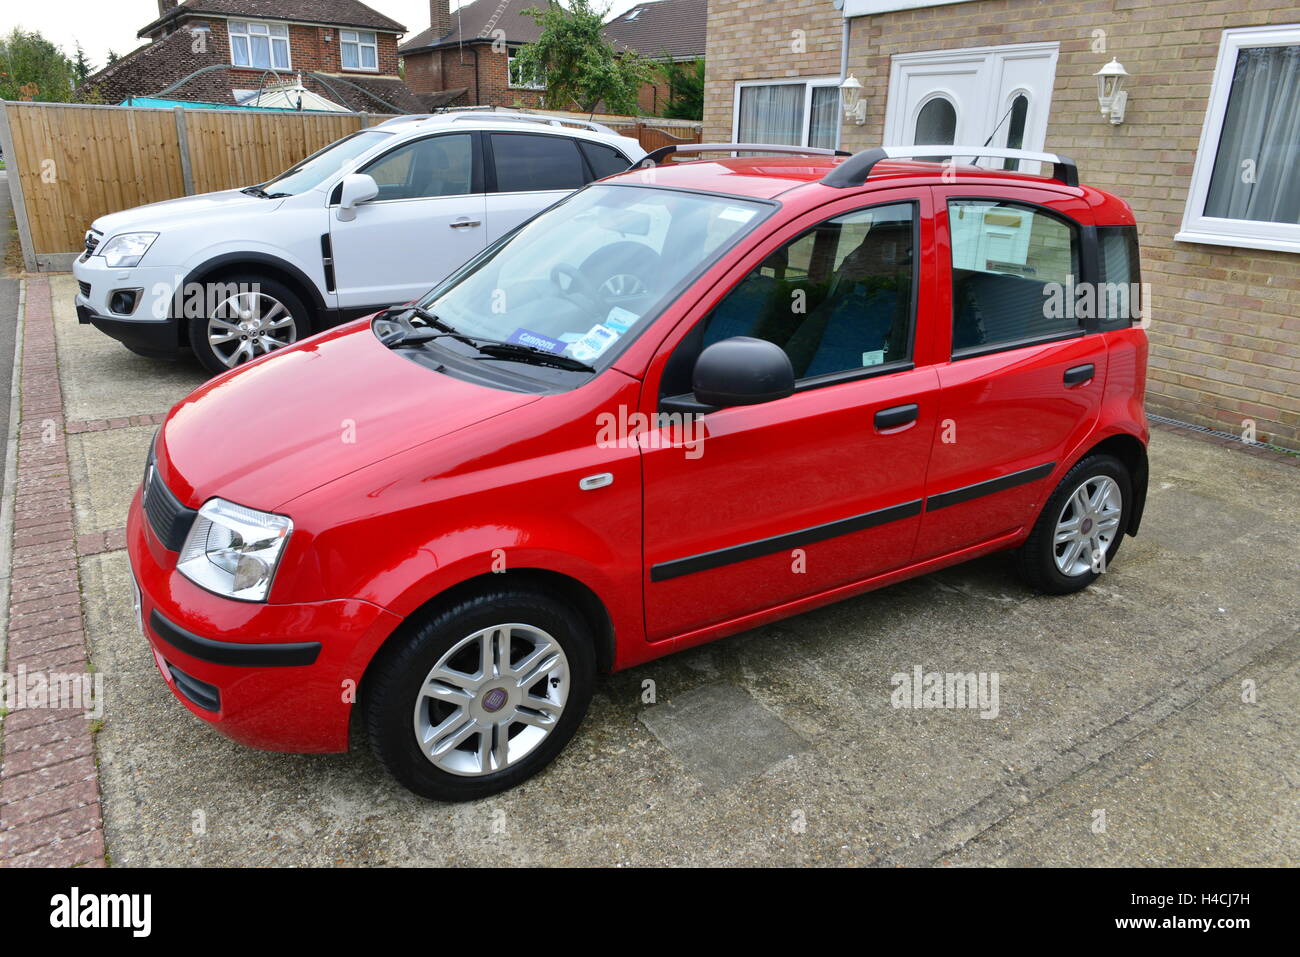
x: 452, y: 68
x: 1225, y: 337
x: 308, y: 50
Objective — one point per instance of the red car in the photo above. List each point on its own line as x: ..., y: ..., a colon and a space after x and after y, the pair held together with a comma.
x: 687, y: 400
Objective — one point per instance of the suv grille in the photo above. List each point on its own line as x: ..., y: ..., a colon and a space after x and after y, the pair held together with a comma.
x: 169, y: 519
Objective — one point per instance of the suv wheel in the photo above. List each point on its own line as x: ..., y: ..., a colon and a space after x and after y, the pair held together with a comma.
x: 258, y: 317
x: 1083, y: 520
x: 480, y: 696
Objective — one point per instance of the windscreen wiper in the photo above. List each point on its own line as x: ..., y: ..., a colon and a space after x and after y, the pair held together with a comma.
x: 404, y: 333
x: 516, y: 352
x: 256, y: 191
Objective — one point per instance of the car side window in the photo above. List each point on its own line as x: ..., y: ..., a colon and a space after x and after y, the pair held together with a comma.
x: 526, y: 162
x: 434, y: 166
x: 1120, y: 299
x: 1013, y: 269
x: 603, y: 160
x: 837, y: 298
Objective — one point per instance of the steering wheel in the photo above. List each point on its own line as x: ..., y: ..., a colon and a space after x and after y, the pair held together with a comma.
x: 577, y: 283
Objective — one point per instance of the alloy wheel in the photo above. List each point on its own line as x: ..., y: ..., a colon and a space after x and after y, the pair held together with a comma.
x: 1088, y: 523
x: 248, y: 325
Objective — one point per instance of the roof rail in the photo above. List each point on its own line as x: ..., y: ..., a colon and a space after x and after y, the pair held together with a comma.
x: 479, y: 114
x: 855, y: 170
x: 656, y: 157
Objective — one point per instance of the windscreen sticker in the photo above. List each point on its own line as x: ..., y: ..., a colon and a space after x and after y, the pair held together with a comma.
x: 620, y: 319
x: 598, y: 338
x: 737, y: 214
x: 525, y: 337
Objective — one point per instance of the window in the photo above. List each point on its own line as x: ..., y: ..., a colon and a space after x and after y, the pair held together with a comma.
x: 1120, y: 301
x: 533, y: 161
x: 1244, y: 190
x: 517, y: 78
x: 604, y: 160
x: 1016, y: 118
x: 936, y: 124
x: 436, y: 166
x: 837, y: 298
x: 1013, y: 270
x: 792, y: 112
x: 264, y: 46
x: 359, y: 50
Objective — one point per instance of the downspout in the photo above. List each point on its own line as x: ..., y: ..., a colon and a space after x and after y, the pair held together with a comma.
x: 845, y: 33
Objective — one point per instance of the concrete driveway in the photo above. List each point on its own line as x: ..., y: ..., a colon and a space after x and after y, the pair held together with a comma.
x: 1150, y: 720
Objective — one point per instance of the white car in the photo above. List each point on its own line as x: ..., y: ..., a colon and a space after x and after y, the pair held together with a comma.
x: 373, y: 220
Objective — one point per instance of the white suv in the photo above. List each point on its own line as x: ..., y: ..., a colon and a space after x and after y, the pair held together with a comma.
x: 370, y: 221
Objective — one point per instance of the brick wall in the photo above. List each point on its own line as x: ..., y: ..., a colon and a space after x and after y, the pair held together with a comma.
x: 454, y: 67
x: 308, y: 50
x: 1225, y: 338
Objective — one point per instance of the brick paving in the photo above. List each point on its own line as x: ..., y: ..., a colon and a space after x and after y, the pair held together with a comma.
x: 49, y: 789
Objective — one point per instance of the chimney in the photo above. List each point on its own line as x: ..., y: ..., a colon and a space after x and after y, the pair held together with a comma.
x: 166, y: 6
x: 439, y: 17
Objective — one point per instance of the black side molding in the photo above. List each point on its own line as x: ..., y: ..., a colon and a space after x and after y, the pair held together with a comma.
x: 779, y: 543
x: 968, y: 492
x: 238, y: 654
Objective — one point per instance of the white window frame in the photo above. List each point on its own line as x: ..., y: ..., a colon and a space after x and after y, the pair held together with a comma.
x: 866, y: 8
x: 1216, y: 231
x: 358, y: 40
x: 808, y: 83
x: 240, y: 28
x: 511, y: 54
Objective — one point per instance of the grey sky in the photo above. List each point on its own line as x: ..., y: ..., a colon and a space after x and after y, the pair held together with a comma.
x: 103, y: 25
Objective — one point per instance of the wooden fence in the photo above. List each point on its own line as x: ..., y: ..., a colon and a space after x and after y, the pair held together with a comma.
x: 72, y: 163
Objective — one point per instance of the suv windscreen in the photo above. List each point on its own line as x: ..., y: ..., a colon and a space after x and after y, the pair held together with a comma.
x: 320, y: 166
x: 592, y: 270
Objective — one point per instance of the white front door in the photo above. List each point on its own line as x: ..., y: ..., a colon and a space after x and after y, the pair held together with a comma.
x: 1001, y: 95
x: 428, y: 218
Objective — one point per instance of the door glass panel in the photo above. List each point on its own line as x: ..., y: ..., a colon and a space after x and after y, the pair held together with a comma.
x: 837, y: 298
x: 1012, y: 269
x: 437, y: 166
x: 1016, y: 128
x: 604, y: 160
x: 936, y: 123
x: 527, y: 162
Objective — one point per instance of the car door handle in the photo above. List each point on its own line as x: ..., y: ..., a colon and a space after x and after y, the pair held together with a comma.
x: 1079, y: 374
x: 465, y: 223
x: 892, y: 418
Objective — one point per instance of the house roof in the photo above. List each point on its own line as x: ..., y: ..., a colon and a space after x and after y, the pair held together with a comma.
x: 478, y: 21
x: 343, y: 13
x: 675, y: 28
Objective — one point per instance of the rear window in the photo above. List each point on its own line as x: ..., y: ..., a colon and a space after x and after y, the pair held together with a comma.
x: 1013, y: 269
x: 1120, y: 302
x: 604, y: 160
x: 529, y: 161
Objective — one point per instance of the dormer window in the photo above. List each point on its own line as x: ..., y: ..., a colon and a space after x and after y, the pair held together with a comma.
x: 359, y: 50
x: 262, y: 46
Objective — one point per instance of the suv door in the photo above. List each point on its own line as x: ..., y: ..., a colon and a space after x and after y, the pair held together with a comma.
x: 526, y: 172
x: 426, y: 221
x: 1024, y: 383
x: 798, y: 496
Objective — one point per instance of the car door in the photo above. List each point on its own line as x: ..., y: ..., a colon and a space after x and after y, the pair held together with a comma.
x: 427, y: 219
x: 751, y: 507
x: 1026, y: 375
x: 526, y: 172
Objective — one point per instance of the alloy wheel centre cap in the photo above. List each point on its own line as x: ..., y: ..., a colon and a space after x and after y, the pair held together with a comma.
x: 1087, y: 525
x: 494, y: 700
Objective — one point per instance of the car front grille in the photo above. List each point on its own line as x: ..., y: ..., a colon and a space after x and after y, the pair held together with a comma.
x: 85, y: 289
x: 169, y: 519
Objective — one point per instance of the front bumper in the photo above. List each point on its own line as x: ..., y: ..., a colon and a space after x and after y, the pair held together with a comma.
x: 275, y: 677
x: 149, y: 327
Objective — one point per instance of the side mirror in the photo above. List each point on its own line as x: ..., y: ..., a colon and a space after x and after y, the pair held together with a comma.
x: 358, y: 188
x: 742, y: 371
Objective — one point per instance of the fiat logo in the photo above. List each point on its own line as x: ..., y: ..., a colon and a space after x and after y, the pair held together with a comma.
x: 494, y: 700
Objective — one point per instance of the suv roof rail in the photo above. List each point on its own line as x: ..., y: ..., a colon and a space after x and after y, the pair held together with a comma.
x: 857, y: 168
x: 470, y: 113
x: 656, y: 157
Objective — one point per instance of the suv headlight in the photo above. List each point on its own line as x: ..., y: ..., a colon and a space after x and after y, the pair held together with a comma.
x: 233, y: 550
x: 126, y: 250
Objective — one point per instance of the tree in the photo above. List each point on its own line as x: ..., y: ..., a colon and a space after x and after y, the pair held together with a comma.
x: 81, y: 65
x: 577, y: 63
x: 685, y: 88
x: 112, y: 58
x: 31, y: 67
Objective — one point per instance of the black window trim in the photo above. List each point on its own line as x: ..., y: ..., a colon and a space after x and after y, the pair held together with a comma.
x: 1088, y: 272
x: 686, y: 402
x: 1130, y: 231
x: 490, y: 164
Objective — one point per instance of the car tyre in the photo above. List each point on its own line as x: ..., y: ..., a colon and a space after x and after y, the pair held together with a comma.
x: 421, y: 695
x: 257, y: 322
x: 1090, y: 507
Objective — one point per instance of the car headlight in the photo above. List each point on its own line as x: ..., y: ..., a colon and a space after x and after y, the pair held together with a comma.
x: 126, y: 250
x: 233, y: 550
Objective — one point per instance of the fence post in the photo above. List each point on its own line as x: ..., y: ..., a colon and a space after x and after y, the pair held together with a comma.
x: 16, y: 191
x: 183, y: 143
x: 365, y: 121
